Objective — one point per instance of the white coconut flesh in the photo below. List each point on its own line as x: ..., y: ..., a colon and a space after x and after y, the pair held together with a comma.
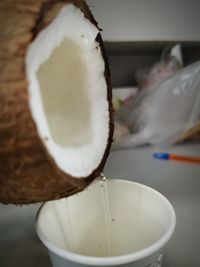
x: 68, y: 92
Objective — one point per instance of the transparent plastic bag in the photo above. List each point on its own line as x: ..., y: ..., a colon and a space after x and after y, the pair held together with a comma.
x: 171, y: 61
x: 162, y: 113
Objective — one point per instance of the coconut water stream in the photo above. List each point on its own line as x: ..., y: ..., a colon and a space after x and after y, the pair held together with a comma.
x: 106, y: 209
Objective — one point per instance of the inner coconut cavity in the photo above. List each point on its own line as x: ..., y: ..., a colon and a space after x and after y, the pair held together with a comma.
x: 68, y: 92
x: 66, y: 102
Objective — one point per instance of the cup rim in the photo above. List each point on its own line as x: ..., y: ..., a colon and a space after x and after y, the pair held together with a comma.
x: 113, y: 260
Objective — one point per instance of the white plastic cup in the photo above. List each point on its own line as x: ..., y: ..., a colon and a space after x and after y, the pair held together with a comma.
x: 111, y: 223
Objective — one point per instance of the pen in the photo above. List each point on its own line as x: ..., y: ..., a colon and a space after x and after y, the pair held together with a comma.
x: 169, y: 156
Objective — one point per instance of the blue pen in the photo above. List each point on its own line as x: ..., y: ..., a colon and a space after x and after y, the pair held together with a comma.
x: 169, y: 156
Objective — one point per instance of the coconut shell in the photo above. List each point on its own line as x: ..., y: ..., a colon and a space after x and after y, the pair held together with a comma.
x: 28, y: 174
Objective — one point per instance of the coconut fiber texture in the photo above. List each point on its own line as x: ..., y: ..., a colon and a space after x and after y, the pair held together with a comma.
x: 28, y: 173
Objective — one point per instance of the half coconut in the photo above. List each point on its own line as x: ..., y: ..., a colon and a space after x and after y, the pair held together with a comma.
x: 65, y: 109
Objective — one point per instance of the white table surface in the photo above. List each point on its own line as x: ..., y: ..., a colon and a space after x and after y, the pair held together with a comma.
x: 179, y: 182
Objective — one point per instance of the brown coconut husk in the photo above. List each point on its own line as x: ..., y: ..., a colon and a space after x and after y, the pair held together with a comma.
x: 27, y: 172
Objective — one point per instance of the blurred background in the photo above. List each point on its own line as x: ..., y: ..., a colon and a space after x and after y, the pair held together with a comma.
x: 138, y: 34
